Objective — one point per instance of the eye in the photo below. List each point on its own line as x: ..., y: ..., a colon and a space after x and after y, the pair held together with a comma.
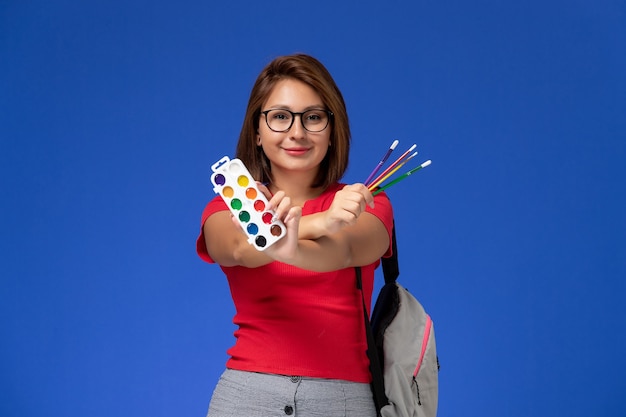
x: 280, y: 115
x: 315, y: 116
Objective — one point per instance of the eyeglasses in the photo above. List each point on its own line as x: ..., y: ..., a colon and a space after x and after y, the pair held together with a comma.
x: 281, y: 120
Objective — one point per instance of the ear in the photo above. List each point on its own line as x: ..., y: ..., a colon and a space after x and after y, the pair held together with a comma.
x: 258, y: 140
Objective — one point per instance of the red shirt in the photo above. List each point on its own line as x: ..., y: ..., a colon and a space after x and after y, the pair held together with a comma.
x: 297, y: 322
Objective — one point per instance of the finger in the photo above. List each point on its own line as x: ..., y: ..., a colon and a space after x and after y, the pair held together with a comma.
x: 263, y: 189
x: 283, y: 207
x: 353, y: 209
x: 356, y: 200
x: 293, y: 215
x: 367, y: 194
x: 363, y: 193
x: 275, y: 200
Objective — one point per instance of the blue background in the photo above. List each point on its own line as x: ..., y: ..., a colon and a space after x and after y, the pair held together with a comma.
x: 514, y: 239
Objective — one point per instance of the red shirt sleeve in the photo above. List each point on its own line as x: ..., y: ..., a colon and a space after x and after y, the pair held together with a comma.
x: 215, y: 205
x: 384, y: 212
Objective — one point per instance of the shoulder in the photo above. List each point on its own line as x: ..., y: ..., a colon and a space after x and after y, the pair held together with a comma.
x: 213, y: 206
x: 383, y: 210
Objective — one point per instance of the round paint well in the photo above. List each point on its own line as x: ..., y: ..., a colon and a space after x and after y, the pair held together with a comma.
x: 260, y: 241
x: 236, y: 204
x: 259, y: 205
x: 252, y: 229
x: 251, y: 193
x: 244, y: 216
x: 219, y: 179
x: 228, y: 191
x: 267, y: 217
x: 235, y: 167
x: 276, y: 230
x: 243, y: 181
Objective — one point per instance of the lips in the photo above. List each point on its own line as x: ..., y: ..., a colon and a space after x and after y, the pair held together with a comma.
x: 296, y: 151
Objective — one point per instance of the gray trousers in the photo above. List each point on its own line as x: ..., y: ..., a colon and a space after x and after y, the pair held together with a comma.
x: 251, y: 394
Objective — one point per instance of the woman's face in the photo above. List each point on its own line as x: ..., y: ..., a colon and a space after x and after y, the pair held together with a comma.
x: 297, y: 149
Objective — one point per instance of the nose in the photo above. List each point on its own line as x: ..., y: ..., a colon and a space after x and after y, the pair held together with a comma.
x: 297, y: 128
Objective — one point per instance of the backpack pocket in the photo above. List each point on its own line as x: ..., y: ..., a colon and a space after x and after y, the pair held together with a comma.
x: 426, y: 374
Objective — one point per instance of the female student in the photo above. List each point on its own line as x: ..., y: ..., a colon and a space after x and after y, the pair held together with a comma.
x: 300, y: 345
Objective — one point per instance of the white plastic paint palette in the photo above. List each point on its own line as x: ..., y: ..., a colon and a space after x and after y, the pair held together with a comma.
x: 233, y: 182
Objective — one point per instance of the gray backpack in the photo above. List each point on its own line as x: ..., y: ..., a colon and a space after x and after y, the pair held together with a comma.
x: 401, y: 349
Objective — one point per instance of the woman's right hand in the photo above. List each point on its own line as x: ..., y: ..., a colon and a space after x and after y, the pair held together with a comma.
x: 348, y: 204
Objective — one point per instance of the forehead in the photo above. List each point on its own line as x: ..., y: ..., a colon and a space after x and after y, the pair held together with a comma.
x: 293, y: 94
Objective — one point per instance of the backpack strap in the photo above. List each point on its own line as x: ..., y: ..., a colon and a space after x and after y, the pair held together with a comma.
x: 378, y: 383
x: 391, y: 271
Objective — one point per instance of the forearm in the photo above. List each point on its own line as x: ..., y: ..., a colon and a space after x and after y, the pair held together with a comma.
x: 342, y: 236
x: 320, y: 255
x: 360, y: 244
x: 228, y: 245
x: 247, y: 255
x: 312, y: 226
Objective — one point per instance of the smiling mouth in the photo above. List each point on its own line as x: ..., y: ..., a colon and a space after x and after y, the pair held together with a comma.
x: 296, y: 151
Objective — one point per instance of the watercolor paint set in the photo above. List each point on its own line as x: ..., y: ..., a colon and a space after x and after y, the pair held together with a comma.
x: 232, y: 181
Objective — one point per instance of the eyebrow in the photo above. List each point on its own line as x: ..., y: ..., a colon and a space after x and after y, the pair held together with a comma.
x: 286, y: 107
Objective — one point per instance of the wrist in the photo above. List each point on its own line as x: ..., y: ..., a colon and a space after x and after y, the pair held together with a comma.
x: 313, y: 226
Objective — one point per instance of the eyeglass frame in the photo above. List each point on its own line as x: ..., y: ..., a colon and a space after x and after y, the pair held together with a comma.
x: 329, y: 113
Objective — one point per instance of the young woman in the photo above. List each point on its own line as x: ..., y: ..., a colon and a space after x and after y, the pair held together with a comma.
x: 300, y: 344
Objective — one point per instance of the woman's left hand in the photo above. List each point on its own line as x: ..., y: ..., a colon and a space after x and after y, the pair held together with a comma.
x: 286, y: 249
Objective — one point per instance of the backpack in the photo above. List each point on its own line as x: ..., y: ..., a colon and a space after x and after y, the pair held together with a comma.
x: 401, y: 348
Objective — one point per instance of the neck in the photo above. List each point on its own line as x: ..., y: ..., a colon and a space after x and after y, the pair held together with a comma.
x: 298, y: 186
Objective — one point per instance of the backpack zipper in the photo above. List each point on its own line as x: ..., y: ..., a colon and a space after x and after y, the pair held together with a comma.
x: 417, y: 387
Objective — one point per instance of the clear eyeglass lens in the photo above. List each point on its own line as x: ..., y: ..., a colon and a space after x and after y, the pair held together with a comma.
x: 312, y: 120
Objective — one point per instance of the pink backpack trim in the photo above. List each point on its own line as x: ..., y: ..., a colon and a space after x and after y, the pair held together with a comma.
x: 427, y: 328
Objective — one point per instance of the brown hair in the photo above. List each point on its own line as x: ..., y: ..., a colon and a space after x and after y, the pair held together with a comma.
x: 310, y: 71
